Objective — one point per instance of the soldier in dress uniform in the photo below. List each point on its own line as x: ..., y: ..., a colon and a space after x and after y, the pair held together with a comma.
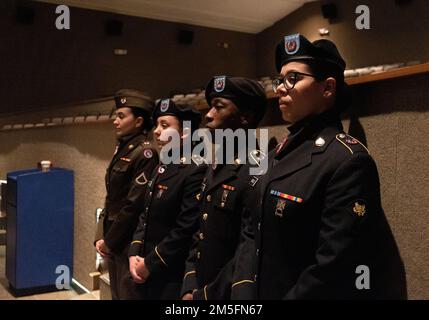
x: 126, y: 178
x: 320, y: 230
x: 236, y: 103
x: 163, y: 237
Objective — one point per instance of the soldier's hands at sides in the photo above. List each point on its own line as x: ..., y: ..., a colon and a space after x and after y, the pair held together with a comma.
x: 141, y: 270
x: 188, y: 296
x: 134, y: 261
x: 102, y: 248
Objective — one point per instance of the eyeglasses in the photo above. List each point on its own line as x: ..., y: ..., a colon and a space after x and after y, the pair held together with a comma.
x: 290, y: 80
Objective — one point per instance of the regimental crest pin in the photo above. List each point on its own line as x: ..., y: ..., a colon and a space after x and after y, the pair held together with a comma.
x: 359, y: 208
x: 292, y: 43
x: 148, y: 153
x: 164, y: 105
x: 219, y: 84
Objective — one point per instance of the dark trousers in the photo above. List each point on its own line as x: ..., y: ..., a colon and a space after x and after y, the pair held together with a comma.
x: 121, y: 285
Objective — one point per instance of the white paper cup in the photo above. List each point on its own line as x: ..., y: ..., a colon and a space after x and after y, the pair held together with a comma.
x: 45, y: 165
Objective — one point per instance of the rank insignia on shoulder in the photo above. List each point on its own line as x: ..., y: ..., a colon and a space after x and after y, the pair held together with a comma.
x: 198, y: 196
x: 148, y: 153
x: 348, y: 140
x: 126, y: 159
x: 141, y: 179
x: 359, y: 208
x: 254, y: 181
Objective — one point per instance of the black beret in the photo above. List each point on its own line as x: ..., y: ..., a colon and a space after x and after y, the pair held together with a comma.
x: 184, y: 112
x: 297, y: 47
x: 247, y: 94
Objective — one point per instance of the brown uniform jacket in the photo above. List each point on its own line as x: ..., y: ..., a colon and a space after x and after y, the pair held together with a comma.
x: 126, y: 179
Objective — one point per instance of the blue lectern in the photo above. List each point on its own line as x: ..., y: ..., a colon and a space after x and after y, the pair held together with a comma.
x: 39, y: 238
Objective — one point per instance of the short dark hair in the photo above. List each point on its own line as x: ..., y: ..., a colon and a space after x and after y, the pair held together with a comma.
x: 323, y: 71
x: 257, y: 115
x: 147, y: 121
